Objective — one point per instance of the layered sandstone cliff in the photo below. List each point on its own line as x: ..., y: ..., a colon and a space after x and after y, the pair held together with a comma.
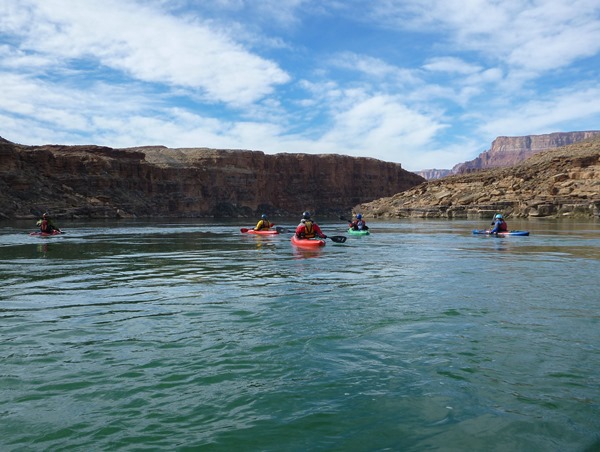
x: 508, y: 151
x: 561, y: 182
x: 95, y: 181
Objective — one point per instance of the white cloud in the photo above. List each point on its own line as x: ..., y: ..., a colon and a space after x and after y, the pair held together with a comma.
x: 379, y: 126
x: 451, y: 65
x: 545, y: 115
x: 181, y: 74
x: 373, y: 67
x: 43, y: 112
x: 146, y: 44
x: 532, y: 36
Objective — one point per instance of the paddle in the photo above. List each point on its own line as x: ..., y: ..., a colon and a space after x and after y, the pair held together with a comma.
x: 334, y: 238
x: 244, y: 230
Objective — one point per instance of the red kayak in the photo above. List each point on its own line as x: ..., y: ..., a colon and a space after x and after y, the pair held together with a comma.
x: 307, y: 243
x: 46, y: 234
x: 263, y: 232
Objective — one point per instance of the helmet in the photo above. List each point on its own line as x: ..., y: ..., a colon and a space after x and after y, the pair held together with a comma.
x: 498, y: 216
x: 306, y: 215
x: 263, y: 216
x: 359, y: 216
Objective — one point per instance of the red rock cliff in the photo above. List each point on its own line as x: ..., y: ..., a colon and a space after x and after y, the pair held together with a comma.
x: 94, y: 181
x: 508, y: 151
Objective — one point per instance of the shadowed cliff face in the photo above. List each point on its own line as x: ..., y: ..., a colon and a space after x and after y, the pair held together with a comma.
x: 152, y: 181
x: 561, y: 182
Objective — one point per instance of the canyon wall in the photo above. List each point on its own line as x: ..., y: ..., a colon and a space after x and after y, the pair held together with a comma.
x: 564, y: 182
x: 508, y: 151
x: 155, y: 181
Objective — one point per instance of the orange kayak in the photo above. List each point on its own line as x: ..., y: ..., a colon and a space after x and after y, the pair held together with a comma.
x: 307, y: 243
x: 264, y: 232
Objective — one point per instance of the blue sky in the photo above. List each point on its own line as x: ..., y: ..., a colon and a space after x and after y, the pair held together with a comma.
x: 425, y: 83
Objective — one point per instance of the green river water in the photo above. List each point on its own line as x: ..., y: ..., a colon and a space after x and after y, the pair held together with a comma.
x: 188, y: 335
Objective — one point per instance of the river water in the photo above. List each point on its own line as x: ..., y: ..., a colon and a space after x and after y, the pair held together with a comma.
x: 188, y: 335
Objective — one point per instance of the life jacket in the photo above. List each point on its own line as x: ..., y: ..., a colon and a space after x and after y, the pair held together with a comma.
x: 358, y: 225
x: 503, y: 226
x: 263, y: 224
x: 309, y: 230
x: 45, y: 227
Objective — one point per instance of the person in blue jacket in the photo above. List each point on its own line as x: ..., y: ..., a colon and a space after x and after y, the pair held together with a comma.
x: 499, y: 225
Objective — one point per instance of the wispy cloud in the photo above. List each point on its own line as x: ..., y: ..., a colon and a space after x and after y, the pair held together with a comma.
x: 146, y: 44
x: 451, y: 65
x: 425, y: 83
x: 547, y: 114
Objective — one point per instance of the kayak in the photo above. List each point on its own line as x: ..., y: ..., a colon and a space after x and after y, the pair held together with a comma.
x: 358, y: 232
x: 46, y: 234
x: 307, y: 243
x: 264, y: 232
x: 501, y: 234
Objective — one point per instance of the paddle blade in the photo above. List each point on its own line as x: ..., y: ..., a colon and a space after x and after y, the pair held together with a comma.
x: 344, y: 219
x: 244, y: 230
x: 338, y: 238
x: 281, y: 230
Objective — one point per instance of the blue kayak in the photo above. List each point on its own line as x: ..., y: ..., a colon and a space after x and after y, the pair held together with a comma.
x: 500, y: 234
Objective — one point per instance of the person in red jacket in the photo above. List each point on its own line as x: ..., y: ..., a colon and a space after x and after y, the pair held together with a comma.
x: 308, y: 229
x: 46, y: 225
x: 359, y: 224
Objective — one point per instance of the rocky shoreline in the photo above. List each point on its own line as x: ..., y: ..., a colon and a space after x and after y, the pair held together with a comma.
x: 564, y: 182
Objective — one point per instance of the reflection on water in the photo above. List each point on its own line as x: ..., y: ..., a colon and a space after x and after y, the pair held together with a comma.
x: 129, y: 335
x: 42, y: 249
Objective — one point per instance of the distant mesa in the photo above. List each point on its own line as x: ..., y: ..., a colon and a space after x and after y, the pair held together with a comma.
x: 434, y: 173
x: 561, y: 182
x: 508, y: 151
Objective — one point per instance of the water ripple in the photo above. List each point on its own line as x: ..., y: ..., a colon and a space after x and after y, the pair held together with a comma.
x: 171, y: 337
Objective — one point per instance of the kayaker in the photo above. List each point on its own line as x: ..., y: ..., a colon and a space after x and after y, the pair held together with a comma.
x: 499, y: 224
x: 263, y: 224
x: 308, y: 229
x: 46, y: 225
x: 359, y: 224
